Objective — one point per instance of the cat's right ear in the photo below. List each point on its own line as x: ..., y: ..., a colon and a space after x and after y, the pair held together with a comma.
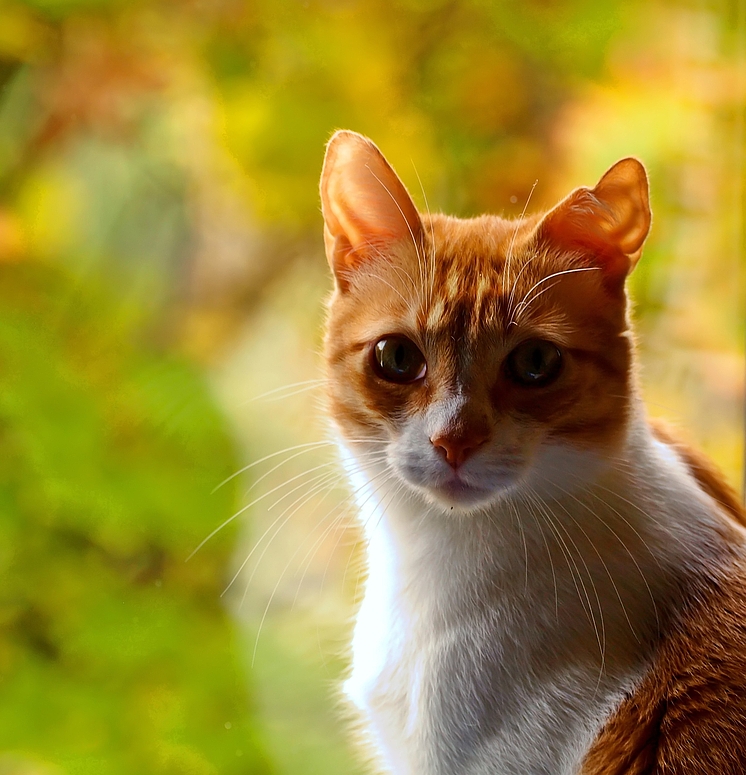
x: 367, y: 210
x: 609, y: 222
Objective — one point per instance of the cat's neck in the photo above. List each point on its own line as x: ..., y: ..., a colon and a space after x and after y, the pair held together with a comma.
x: 637, y: 518
x: 539, y: 597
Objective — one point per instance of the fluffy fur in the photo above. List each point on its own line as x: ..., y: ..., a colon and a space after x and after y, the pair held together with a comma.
x: 554, y: 586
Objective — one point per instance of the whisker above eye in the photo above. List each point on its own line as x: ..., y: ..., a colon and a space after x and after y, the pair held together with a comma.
x: 429, y: 271
x: 398, y: 207
x: 525, y: 302
x: 509, y: 255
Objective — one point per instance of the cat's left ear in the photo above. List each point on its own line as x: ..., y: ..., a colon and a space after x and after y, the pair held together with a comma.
x: 609, y: 222
x: 367, y: 210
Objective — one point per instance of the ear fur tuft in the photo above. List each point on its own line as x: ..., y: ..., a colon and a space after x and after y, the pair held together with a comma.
x: 366, y: 207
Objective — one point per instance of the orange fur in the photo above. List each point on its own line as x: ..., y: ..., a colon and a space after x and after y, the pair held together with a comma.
x: 689, y: 714
x: 476, y: 288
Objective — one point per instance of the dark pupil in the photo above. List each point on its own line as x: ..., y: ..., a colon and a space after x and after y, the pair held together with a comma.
x: 535, y: 363
x: 398, y: 360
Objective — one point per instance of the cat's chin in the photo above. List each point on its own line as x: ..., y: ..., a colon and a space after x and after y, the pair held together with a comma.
x: 458, y: 495
x: 461, y: 497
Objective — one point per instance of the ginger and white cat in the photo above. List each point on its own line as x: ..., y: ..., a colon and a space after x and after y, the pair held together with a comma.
x: 554, y: 585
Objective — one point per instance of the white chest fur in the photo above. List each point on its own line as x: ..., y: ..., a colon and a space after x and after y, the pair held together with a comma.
x: 497, y: 643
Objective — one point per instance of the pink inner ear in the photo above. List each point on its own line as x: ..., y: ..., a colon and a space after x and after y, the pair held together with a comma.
x: 624, y: 191
x: 610, y: 221
x: 366, y: 207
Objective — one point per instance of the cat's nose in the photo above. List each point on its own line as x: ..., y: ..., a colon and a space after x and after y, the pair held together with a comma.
x: 456, y: 448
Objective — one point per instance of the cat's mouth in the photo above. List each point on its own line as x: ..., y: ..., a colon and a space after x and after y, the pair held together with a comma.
x: 478, y: 483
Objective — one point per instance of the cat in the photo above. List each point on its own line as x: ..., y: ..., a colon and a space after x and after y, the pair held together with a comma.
x: 555, y: 585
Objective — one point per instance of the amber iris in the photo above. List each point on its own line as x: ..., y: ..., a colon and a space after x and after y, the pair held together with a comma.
x: 398, y: 359
x: 534, y: 363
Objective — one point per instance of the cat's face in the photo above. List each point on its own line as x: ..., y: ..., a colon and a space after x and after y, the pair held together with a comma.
x: 469, y: 358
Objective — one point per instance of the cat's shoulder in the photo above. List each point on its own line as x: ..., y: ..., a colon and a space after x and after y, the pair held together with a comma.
x: 689, y: 713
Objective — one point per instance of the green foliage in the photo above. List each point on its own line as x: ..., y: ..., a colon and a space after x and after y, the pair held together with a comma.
x: 116, y: 655
x: 159, y: 166
x: 454, y: 87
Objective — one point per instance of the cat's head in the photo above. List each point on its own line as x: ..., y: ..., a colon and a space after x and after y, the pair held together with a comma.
x: 478, y: 356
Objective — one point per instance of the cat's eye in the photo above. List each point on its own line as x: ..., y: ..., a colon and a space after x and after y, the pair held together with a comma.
x: 534, y: 363
x: 398, y: 359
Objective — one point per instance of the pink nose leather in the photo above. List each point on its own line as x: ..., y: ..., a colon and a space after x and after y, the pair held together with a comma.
x: 457, y: 448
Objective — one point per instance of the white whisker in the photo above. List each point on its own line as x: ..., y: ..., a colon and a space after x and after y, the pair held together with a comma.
x: 398, y: 207
x: 600, y: 631
x: 306, y: 384
x: 509, y: 256
x: 431, y: 254
x: 269, y: 602
x: 315, y: 444
x: 524, y: 301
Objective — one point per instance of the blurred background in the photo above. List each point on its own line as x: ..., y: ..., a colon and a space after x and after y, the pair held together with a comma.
x: 161, y: 302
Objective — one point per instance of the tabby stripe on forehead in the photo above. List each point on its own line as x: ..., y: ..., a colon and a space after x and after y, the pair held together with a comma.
x: 462, y: 316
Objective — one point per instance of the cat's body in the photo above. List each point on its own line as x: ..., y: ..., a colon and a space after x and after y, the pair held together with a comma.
x: 536, y: 551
